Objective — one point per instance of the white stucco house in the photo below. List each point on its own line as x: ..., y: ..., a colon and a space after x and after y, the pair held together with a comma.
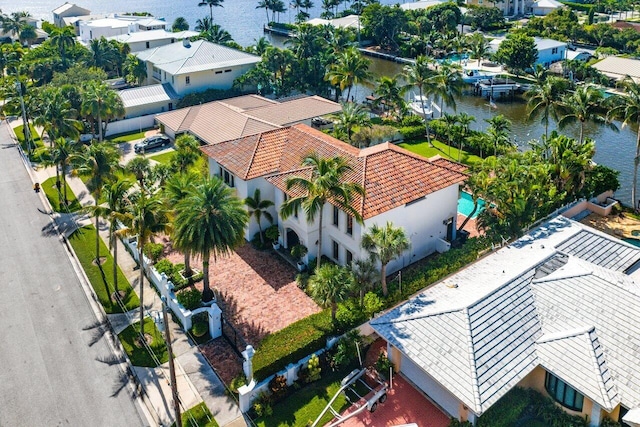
x: 195, y: 66
x: 148, y: 39
x: 68, y: 10
x: 508, y: 7
x: 413, y: 192
x: 116, y: 25
x: 545, y: 7
x: 549, y: 50
x: 556, y: 311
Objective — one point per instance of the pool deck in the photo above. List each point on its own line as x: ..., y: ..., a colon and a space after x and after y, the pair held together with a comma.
x: 470, y: 227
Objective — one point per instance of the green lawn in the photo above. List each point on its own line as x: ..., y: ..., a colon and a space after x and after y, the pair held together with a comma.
x: 140, y: 356
x: 199, y: 416
x: 101, y: 278
x: 422, y: 148
x: 35, y: 136
x: 163, y: 158
x: 50, y: 190
x: 127, y: 137
x: 303, y: 406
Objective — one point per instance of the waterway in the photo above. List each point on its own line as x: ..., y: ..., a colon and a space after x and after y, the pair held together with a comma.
x: 245, y: 22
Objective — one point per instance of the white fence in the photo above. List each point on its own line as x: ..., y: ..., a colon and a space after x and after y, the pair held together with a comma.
x: 130, y: 125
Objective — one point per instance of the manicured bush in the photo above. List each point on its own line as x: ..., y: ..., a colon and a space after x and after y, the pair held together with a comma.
x: 291, y: 344
x: 199, y: 329
x: 153, y: 251
x: 349, y: 314
x: 372, y: 304
x: 583, y: 7
x: 237, y: 382
x: 412, y: 120
x: 190, y: 299
x: 173, y: 274
x: 412, y: 132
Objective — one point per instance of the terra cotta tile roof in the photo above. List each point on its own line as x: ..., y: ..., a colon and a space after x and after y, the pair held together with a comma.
x: 390, y: 175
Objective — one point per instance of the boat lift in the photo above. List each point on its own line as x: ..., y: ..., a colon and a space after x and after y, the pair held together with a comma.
x: 370, y: 401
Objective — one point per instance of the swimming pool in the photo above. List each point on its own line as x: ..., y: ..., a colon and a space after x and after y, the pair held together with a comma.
x: 634, y: 242
x: 453, y: 58
x: 465, y: 205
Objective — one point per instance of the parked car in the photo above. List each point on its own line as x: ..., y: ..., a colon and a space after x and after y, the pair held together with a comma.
x: 86, y: 138
x: 151, y: 142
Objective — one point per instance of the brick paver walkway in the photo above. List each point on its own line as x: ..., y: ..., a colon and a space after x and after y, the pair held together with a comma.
x: 471, y: 226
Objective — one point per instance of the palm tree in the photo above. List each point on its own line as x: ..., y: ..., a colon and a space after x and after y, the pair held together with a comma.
x: 418, y: 74
x: 445, y: 84
x: 350, y: 68
x: 98, y: 162
x: 627, y: 108
x: 478, y: 46
x: 180, y: 24
x: 187, y: 152
x: 325, y: 184
x: 498, y: 132
x: 210, y: 220
x: 55, y: 114
x: 352, y: 115
x: 544, y: 100
x: 330, y: 285
x: 60, y: 155
x: 450, y: 120
x: 140, y: 167
x: 384, y: 244
x: 259, y: 208
x: 584, y: 105
x: 390, y: 91
x: 211, y: 4
x: 203, y: 25
x: 266, y: 5
x: 114, y: 210
x: 148, y: 217
x: 216, y: 34
x: 135, y: 69
x: 464, y: 120
x: 365, y: 276
x: 175, y: 190
x: 101, y: 103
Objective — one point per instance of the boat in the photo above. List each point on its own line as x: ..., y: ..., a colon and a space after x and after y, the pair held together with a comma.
x: 421, y: 106
x: 472, y: 76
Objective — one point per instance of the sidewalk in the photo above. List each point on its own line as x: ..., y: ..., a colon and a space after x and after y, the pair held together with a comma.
x: 196, y: 380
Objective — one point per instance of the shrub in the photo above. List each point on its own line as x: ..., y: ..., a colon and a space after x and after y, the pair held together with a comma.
x: 153, y: 251
x: 272, y: 233
x: 262, y: 405
x: 412, y: 120
x: 190, y: 298
x: 372, y: 304
x: 237, y: 382
x: 199, y: 329
x: 453, y: 422
x: 349, y: 314
x: 310, y: 371
x: 257, y: 243
x: 383, y: 364
x: 291, y: 344
x: 578, y: 6
x: 278, y: 387
x: 299, y: 251
x: 345, y: 351
x: 207, y: 96
x: 173, y: 274
x: 412, y: 132
x: 302, y: 280
x: 164, y: 266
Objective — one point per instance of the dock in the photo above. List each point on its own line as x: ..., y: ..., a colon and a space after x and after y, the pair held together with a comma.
x: 278, y: 31
x: 496, y: 88
x: 386, y: 56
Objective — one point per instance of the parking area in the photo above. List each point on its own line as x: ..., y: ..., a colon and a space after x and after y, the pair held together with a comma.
x: 128, y: 152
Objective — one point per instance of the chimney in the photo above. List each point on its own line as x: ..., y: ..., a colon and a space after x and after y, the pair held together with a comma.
x: 186, y: 43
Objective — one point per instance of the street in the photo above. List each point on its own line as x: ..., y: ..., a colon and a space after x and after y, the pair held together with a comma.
x: 54, y: 366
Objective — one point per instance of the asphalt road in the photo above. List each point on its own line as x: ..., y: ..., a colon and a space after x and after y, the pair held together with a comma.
x: 53, y: 368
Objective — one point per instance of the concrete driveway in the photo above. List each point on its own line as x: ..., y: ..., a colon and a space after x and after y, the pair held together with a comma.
x: 128, y: 153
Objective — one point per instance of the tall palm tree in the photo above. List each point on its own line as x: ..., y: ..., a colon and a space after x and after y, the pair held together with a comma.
x: 176, y: 189
x: 204, y: 24
x: 498, y: 132
x: 450, y: 120
x: 210, y: 221
x: 385, y: 244
x: 187, y: 152
x: 99, y: 163
x: 55, y: 114
x: 465, y: 121
x: 352, y: 115
x: 211, y: 4
x: 417, y: 75
x: 390, y: 91
x: 140, y: 167
x: 325, y: 183
x: 216, y: 34
x: 544, y: 99
x: 148, y: 217
x: 135, y: 69
x: 582, y: 106
x: 101, y: 104
x: 330, y: 285
x: 365, y: 276
x: 350, y: 68
x: 259, y: 208
x: 478, y: 46
x: 627, y: 109
x: 445, y: 84
x: 60, y: 155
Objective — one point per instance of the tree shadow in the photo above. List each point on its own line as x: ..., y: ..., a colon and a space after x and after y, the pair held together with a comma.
x: 252, y: 332
x: 271, y: 268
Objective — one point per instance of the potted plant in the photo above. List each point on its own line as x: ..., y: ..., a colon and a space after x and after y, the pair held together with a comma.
x: 298, y: 252
x: 273, y: 234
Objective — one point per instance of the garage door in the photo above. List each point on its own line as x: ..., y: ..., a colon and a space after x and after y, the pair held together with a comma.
x: 431, y: 388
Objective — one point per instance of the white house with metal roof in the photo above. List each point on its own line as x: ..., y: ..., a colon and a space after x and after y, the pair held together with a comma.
x: 545, y: 7
x: 618, y: 68
x: 116, y: 25
x: 142, y: 40
x: 549, y: 50
x: 556, y: 310
x: 196, y: 66
x: 68, y: 10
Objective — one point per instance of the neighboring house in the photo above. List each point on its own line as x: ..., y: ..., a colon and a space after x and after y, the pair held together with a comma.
x: 413, y: 192
x: 421, y: 4
x: 618, y: 68
x: 232, y: 118
x: 578, y: 55
x: 116, y: 25
x: 545, y: 7
x: 556, y: 311
x: 623, y: 25
x: 146, y: 100
x: 196, y: 66
x: 349, y: 21
x: 508, y: 7
x: 149, y: 39
x: 549, y: 50
x: 68, y: 10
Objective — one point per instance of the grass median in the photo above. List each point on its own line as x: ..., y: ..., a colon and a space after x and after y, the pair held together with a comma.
x: 101, y: 277
x: 140, y: 354
x: 50, y: 190
x: 199, y: 416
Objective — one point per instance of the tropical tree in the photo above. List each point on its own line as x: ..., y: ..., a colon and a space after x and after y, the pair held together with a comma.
x: 211, y: 4
x: 350, y: 68
x: 60, y: 155
x: 330, y: 285
x: 350, y: 116
x: 465, y: 121
x: 585, y: 104
x: 259, y: 208
x: 323, y: 182
x: 450, y: 120
x: 518, y: 52
x: 627, y: 109
x: 478, y: 46
x: 140, y: 167
x: 180, y: 24
x: 418, y: 75
x: 135, y: 69
x: 28, y: 35
x: 385, y: 244
x: 175, y: 190
x: 210, y: 221
x: 55, y: 114
x: 498, y: 132
x: 569, y: 161
x: 445, y: 84
x: 365, y: 276
x: 544, y: 99
x: 98, y: 162
x: 101, y: 104
x: 391, y: 93
x: 216, y: 34
x: 63, y: 39
x: 148, y: 217
x: 203, y: 25
x: 187, y: 152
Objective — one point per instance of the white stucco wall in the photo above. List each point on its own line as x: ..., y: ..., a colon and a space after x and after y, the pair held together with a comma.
x: 152, y: 108
x: 267, y: 192
x: 89, y: 32
x: 138, y: 46
x: 202, y: 80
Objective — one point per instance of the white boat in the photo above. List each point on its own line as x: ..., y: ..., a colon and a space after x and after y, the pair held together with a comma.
x: 474, y: 76
x: 421, y: 106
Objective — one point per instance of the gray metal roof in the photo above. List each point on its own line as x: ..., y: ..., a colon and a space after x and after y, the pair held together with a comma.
x: 147, y: 95
x: 200, y: 55
x: 487, y: 327
x: 143, y: 36
x: 601, y: 250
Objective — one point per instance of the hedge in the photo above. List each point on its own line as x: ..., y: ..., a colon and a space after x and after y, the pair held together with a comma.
x: 578, y: 6
x: 412, y: 132
x: 292, y: 343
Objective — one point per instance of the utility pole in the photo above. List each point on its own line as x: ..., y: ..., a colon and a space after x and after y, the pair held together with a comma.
x: 172, y: 370
x: 25, y: 125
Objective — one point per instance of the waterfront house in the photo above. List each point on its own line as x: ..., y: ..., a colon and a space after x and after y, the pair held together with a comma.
x: 195, y: 66
x: 149, y: 39
x: 545, y: 7
x: 618, y: 68
x: 232, y: 118
x: 549, y: 50
x: 555, y: 311
x: 508, y: 7
x: 418, y: 194
x: 68, y: 10
x: 116, y: 25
